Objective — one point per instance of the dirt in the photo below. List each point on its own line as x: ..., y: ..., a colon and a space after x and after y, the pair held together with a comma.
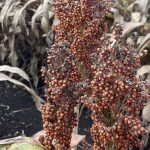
x: 18, y: 114
x: 85, y: 123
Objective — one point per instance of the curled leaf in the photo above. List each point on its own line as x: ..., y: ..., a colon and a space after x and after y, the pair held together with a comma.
x: 44, y: 24
x: 130, y: 26
x: 44, y: 14
x: 4, y: 11
x: 76, y: 139
x: 37, y: 99
x: 15, y: 70
x: 143, y: 70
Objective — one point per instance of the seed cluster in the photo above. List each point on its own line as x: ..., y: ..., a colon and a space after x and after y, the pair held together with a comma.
x: 116, y: 95
x: 89, y: 66
x: 81, y: 23
x: 58, y: 113
x: 68, y: 65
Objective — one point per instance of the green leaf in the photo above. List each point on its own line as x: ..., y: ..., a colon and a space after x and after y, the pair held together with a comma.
x: 20, y: 143
x: 25, y: 146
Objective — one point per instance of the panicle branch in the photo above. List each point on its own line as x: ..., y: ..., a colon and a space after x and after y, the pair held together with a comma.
x: 87, y: 65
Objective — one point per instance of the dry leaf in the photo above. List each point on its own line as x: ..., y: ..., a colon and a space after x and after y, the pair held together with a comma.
x: 136, y: 17
x: 56, y: 21
x: 37, y: 135
x: 143, y: 70
x: 34, y: 70
x: 15, y: 70
x: 140, y: 39
x: 37, y: 99
x: 3, y: 52
x: 146, y: 113
x: 130, y: 26
x: 43, y: 13
x: 76, y: 139
x: 19, y: 17
x: 143, y: 6
x: 145, y: 42
x: 37, y: 15
x: 44, y: 24
x: 3, y: 13
x: 118, y: 18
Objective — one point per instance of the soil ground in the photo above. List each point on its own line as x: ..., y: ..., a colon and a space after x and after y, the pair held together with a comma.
x: 18, y: 114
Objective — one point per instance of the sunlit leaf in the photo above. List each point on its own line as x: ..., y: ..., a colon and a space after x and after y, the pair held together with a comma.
x: 3, y: 12
x: 143, y: 70
x: 130, y: 26
x: 15, y: 70
x: 118, y: 18
x: 136, y: 16
x: 146, y: 112
x: 44, y: 24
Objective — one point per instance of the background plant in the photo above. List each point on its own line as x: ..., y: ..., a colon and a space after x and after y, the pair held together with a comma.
x: 25, y: 27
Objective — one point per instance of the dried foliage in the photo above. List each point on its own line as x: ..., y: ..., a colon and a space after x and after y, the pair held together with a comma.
x: 25, y: 27
x: 134, y: 15
x: 23, y: 75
